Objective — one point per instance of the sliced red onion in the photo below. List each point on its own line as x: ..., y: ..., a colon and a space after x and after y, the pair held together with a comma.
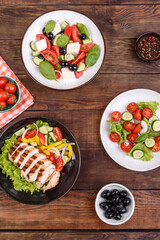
x: 72, y: 143
x: 59, y: 73
x: 55, y: 151
x: 23, y: 135
x: 63, y: 152
x: 73, y: 156
x: 36, y: 128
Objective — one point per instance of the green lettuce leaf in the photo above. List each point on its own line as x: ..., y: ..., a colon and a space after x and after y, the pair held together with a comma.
x: 153, y: 105
x: 147, y: 154
x: 118, y: 128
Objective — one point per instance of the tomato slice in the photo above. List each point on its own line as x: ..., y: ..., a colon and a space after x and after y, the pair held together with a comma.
x: 116, y: 116
x: 56, y: 49
x: 137, y: 128
x: 132, y: 107
x: 129, y: 126
x: 68, y: 31
x: 79, y: 58
x: 147, y: 113
x: 157, y: 139
x: 41, y: 138
x: 156, y: 147
x: 57, y: 133
x: 132, y: 137
x: 31, y: 133
x: 19, y: 139
x: 138, y: 115
x: 80, y: 74
x: 114, y: 137
x: 51, y: 56
x: 86, y: 47
x: 126, y: 146
x: 59, y: 164
x: 40, y: 37
x: 75, y: 34
x: 51, y: 157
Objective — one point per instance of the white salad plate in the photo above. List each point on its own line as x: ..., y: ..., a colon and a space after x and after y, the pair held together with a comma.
x: 36, y: 28
x: 120, y: 103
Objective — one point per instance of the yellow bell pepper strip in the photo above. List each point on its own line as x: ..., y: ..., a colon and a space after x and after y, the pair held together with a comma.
x: 62, y: 145
x: 37, y: 140
x: 70, y: 152
x: 51, y: 145
x: 46, y: 152
x: 30, y: 140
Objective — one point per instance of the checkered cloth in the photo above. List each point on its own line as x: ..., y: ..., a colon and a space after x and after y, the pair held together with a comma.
x: 25, y: 101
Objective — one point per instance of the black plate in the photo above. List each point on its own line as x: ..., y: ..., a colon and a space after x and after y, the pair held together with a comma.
x: 68, y: 175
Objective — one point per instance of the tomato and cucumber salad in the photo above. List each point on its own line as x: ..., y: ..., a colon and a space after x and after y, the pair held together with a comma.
x: 136, y: 130
x: 64, y: 51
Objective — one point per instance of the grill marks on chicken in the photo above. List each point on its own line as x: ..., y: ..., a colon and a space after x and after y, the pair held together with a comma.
x: 34, y: 165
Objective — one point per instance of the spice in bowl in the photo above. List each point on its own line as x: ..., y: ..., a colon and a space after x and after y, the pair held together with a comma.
x: 148, y: 47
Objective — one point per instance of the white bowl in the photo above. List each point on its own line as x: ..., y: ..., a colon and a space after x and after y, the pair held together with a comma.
x: 72, y: 18
x: 126, y: 216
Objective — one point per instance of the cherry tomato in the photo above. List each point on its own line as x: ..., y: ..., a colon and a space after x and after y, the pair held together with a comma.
x: 147, y: 113
x: 68, y: 31
x: 1, y: 89
x: 10, y: 88
x: 114, y: 137
x: 30, y: 133
x: 129, y: 126
x: 51, y: 157
x: 3, y: 81
x: 59, y: 164
x: 41, y: 138
x: 116, y: 116
x: 86, y: 47
x: 12, y: 99
x: 156, y: 147
x: 78, y: 74
x: 51, y: 56
x: 56, y: 49
x: 157, y: 139
x: 75, y: 34
x: 138, y: 115
x: 57, y: 133
x: 3, y: 96
x: 79, y: 58
x: 132, y: 137
x: 40, y: 37
x: 19, y: 139
x: 126, y: 146
x: 2, y: 105
x: 132, y: 107
x: 137, y: 128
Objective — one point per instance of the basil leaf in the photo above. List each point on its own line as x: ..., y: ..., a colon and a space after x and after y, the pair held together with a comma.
x: 83, y: 29
x: 92, y: 56
x: 62, y: 40
x: 154, y: 134
x: 50, y: 26
x: 47, y: 70
x: 142, y: 138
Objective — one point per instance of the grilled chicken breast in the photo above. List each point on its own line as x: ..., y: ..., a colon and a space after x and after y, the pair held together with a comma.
x: 34, y: 166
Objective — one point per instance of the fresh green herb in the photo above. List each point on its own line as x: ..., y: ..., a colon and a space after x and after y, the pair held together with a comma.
x: 142, y: 137
x: 62, y: 40
x: 40, y: 123
x: 47, y: 70
x: 58, y: 66
x: 92, y: 56
x: 64, y: 140
x: 154, y: 134
x: 147, y: 153
x: 50, y: 26
x: 153, y: 105
x: 83, y: 29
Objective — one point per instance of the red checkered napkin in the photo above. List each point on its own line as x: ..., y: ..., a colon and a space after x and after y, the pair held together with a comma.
x: 25, y: 101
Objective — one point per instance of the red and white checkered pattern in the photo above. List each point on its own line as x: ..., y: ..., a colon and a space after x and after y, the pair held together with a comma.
x: 25, y: 101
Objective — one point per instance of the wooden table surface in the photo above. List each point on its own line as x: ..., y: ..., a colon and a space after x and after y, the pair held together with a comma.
x: 73, y: 216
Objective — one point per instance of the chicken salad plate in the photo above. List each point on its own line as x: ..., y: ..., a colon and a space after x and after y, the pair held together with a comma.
x: 63, y: 49
x: 130, y: 129
x: 39, y: 160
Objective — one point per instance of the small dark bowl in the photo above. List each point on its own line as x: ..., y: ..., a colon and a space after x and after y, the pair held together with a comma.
x: 136, y: 45
x: 69, y: 173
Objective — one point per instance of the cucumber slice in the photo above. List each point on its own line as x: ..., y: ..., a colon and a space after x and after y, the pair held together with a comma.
x: 156, y: 126
x: 149, y: 142
x: 34, y: 144
x: 152, y: 119
x: 61, y: 58
x: 46, y: 140
x: 70, y: 41
x: 33, y: 46
x: 81, y: 67
x: 63, y: 25
x: 37, y: 60
x: 35, y: 53
x: 45, y: 129
x: 52, y: 136
x: 137, y: 154
x: 132, y: 120
x: 87, y: 41
x: 69, y: 57
x: 127, y: 116
x: 20, y: 132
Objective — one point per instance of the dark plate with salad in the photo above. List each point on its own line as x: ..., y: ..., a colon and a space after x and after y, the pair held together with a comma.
x: 39, y: 160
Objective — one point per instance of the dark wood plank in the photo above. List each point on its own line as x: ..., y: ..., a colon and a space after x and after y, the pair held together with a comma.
x: 126, y: 21
x: 80, y: 235
x: 76, y: 211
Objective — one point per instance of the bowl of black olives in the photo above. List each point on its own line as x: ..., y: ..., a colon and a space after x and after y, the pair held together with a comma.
x: 114, y: 204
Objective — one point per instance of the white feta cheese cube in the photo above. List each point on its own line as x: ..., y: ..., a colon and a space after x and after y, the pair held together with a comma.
x: 57, y: 29
x: 66, y: 73
x: 73, y: 48
x: 41, y: 45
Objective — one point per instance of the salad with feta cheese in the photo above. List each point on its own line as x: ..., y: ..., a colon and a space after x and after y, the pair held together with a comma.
x: 64, y: 51
x: 137, y: 130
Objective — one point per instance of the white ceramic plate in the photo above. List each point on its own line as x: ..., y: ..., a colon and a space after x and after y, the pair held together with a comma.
x: 36, y: 28
x: 120, y: 103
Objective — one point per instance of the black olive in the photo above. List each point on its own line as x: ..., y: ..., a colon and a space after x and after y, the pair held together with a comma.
x: 113, y: 208
x: 108, y: 214
x: 103, y: 205
x: 83, y: 36
x: 63, y: 50
x: 117, y: 216
x: 105, y: 194
x: 119, y: 206
x: 127, y: 201
x: 107, y: 200
x: 111, y: 201
x: 116, y: 198
x: 123, y: 210
x: 123, y: 194
x: 41, y: 56
x: 73, y: 67
x: 64, y: 64
x: 43, y: 31
x: 50, y: 36
x: 115, y: 192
